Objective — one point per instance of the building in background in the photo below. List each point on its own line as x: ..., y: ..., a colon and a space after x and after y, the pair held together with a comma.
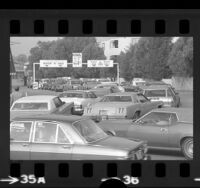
x: 113, y: 46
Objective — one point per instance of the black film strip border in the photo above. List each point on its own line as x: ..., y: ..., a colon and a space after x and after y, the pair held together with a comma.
x: 160, y: 27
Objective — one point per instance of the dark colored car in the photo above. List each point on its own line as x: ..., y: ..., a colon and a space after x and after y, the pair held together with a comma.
x: 164, y: 128
x: 57, y: 137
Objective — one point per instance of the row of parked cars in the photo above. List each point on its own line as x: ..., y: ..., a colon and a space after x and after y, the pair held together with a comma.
x: 60, y: 85
x: 115, y: 124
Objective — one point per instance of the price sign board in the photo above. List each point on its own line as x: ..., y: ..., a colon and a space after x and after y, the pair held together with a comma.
x: 100, y: 63
x: 53, y: 63
x: 77, y: 60
x: 35, y: 85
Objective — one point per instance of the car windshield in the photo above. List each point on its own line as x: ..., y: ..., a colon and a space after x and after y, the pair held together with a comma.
x: 155, y: 93
x: 72, y: 95
x: 90, y: 130
x: 116, y: 99
x: 30, y: 106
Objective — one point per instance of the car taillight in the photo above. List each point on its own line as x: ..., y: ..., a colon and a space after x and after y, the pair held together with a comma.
x: 168, y: 102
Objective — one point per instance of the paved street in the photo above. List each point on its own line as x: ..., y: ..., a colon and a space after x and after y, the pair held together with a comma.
x: 165, y: 155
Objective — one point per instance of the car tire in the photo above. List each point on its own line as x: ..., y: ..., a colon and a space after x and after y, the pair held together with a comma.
x: 72, y: 111
x: 187, y: 148
x: 179, y: 104
x: 136, y: 115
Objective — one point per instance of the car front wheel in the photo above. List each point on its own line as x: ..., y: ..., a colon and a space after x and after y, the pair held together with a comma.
x: 187, y: 148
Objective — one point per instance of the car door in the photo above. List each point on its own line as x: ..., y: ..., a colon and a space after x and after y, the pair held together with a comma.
x: 171, y: 93
x: 50, y: 142
x: 20, y: 137
x: 145, y: 104
x: 153, y: 127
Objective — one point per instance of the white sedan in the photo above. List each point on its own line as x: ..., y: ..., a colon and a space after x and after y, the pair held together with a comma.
x: 80, y: 98
x: 40, y: 104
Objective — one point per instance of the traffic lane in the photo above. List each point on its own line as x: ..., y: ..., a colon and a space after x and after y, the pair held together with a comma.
x: 165, y: 154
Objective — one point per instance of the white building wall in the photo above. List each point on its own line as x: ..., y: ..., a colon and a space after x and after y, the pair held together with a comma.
x: 123, y: 45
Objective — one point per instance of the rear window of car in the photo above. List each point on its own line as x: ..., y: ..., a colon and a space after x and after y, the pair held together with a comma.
x: 30, y: 106
x: 76, y: 82
x: 71, y: 95
x: 155, y: 93
x: 116, y: 99
x: 91, y: 95
x: 57, y: 102
x: 106, y: 86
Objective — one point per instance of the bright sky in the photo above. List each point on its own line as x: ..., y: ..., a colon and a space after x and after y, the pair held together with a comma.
x: 24, y: 44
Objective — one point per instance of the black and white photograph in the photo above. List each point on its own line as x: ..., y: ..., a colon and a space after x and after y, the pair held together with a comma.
x: 101, y: 98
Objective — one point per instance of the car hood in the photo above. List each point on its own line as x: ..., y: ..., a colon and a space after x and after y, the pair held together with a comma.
x: 119, y: 143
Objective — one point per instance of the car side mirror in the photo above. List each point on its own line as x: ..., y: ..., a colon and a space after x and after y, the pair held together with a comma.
x: 111, y: 132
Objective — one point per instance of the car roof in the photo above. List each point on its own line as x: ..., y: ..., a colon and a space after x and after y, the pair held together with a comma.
x: 36, y: 98
x: 76, y: 91
x: 123, y: 94
x: 108, y: 84
x: 159, y: 87
x: 49, y: 117
x: 184, y: 114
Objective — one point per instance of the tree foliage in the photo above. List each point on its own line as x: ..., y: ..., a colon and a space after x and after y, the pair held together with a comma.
x: 21, y: 59
x: 62, y: 49
x: 181, y: 57
x: 147, y: 59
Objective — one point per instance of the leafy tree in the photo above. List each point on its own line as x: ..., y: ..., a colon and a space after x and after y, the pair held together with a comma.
x: 126, y: 63
x: 21, y: 59
x: 63, y: 49
x: 147, y: 59
x: 181, y: 57
x: 151, y: 58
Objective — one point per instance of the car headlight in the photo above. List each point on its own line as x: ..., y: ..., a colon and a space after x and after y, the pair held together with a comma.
x: 132, y: 155
x: 144, y: 148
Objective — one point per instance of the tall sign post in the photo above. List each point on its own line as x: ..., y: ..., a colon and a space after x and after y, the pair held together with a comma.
x: 49, y: 64
x: 77, y: 60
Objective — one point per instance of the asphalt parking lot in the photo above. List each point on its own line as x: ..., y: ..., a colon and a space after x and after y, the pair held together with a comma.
x: 186, y: 102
